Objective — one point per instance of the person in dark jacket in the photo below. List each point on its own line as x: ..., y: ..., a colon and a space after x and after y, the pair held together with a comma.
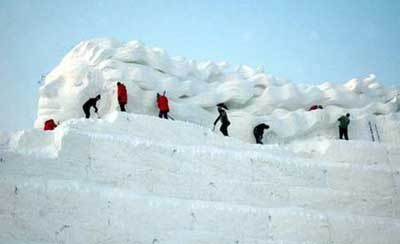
x: 258, y: 132
x: 122, y: 96
x: 224, y: 119
x: 344, y: 122
x: 162, y: 103
x: 90, y: 103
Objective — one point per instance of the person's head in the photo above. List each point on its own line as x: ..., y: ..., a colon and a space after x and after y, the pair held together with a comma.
x: 266, y: 126
x: 98, y: 97
x: 222, y: 106
x: 118, y: 83
x: 347, y: 115
x: 158, y: 94
x: 320, y: 107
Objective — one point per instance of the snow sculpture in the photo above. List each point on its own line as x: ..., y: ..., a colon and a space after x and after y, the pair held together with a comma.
x: 195, y: 87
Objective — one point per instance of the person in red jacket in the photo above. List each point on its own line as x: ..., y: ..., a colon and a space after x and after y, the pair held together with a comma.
x: 49, y: 125
x: 315, y: 107
x: 122, y: 96
x: 162, y: 103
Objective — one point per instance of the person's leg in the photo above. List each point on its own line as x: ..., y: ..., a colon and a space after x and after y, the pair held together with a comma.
x: 122, y: 106
x: 224, y: 129
x: 340, y: 133
x: 346, y: 136
x: 165, y: 115
x: 87, y: 112
x: 258, y: 141
x: 160, y: 114
x: 260, y: 137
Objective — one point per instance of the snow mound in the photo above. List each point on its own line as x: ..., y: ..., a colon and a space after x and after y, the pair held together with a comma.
x: 195, y: 87
x: 129, y: 178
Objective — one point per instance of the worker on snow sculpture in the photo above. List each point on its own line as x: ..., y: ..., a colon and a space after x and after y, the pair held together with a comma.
x: 122, y: 96
x: 344, y: 122
x: 162, y: 103
x: 315, y: 107
x: 224, y: 119
x: 90, y: 103
x: 49, y: 125
x: 258, y: 132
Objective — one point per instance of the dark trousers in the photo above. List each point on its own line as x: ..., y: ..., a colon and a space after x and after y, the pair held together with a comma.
x: 163, y: 114
x: 343, y: 132
x: 86, y: 110
x: 122, y: 106
x: 258, y: 138
x: 224, y: 128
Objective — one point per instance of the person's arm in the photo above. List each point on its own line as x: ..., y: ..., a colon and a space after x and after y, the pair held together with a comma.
x: 95, y: 108
x: 216, y: 121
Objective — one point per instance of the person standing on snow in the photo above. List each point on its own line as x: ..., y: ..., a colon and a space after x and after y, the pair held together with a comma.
x: 90, y: 103
x: 49, y: 125
x: 122, y: 96
x: 162, y: 103
x: 258, y: 132
x: 224, y: 119
x: 344, y: 122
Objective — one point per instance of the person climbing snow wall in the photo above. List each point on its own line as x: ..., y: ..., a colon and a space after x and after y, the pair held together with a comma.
x: 90, y: 103
x: 122, y: 96
x: 258, y: 132
x: 162, y: 103
x: 223, y: 116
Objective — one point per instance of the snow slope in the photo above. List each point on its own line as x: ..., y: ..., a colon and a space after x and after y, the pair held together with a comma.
x: 129, y: 178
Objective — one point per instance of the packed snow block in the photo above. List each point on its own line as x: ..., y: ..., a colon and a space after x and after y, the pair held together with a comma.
x: 368, y: 178
x: 17, y: 166
x: 74, y: 211
x: 347, y: 202
x: 363, y: 229
x: 198, y: 236
x: 34, y: 142
x: 393, y: 153
x: 166, y: 175
x: 354, y: 152
x: 396, y: 205
x: 296, y: 224
x: 181, y: 157
x: 74, y: 145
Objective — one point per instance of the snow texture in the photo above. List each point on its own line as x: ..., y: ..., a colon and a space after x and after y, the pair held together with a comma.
x: 135, y: 178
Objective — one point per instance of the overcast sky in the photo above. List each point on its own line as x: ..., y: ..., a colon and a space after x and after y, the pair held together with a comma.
x: 305, y: 41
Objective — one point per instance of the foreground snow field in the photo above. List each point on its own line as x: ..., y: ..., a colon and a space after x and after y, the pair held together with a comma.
x: 134, y: 178
x: 138, y: 179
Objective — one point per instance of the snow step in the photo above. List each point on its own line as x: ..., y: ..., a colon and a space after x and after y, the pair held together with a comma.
x: 74, y: 212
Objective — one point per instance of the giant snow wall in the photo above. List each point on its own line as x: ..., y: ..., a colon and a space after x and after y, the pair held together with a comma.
x: 130, y: 178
